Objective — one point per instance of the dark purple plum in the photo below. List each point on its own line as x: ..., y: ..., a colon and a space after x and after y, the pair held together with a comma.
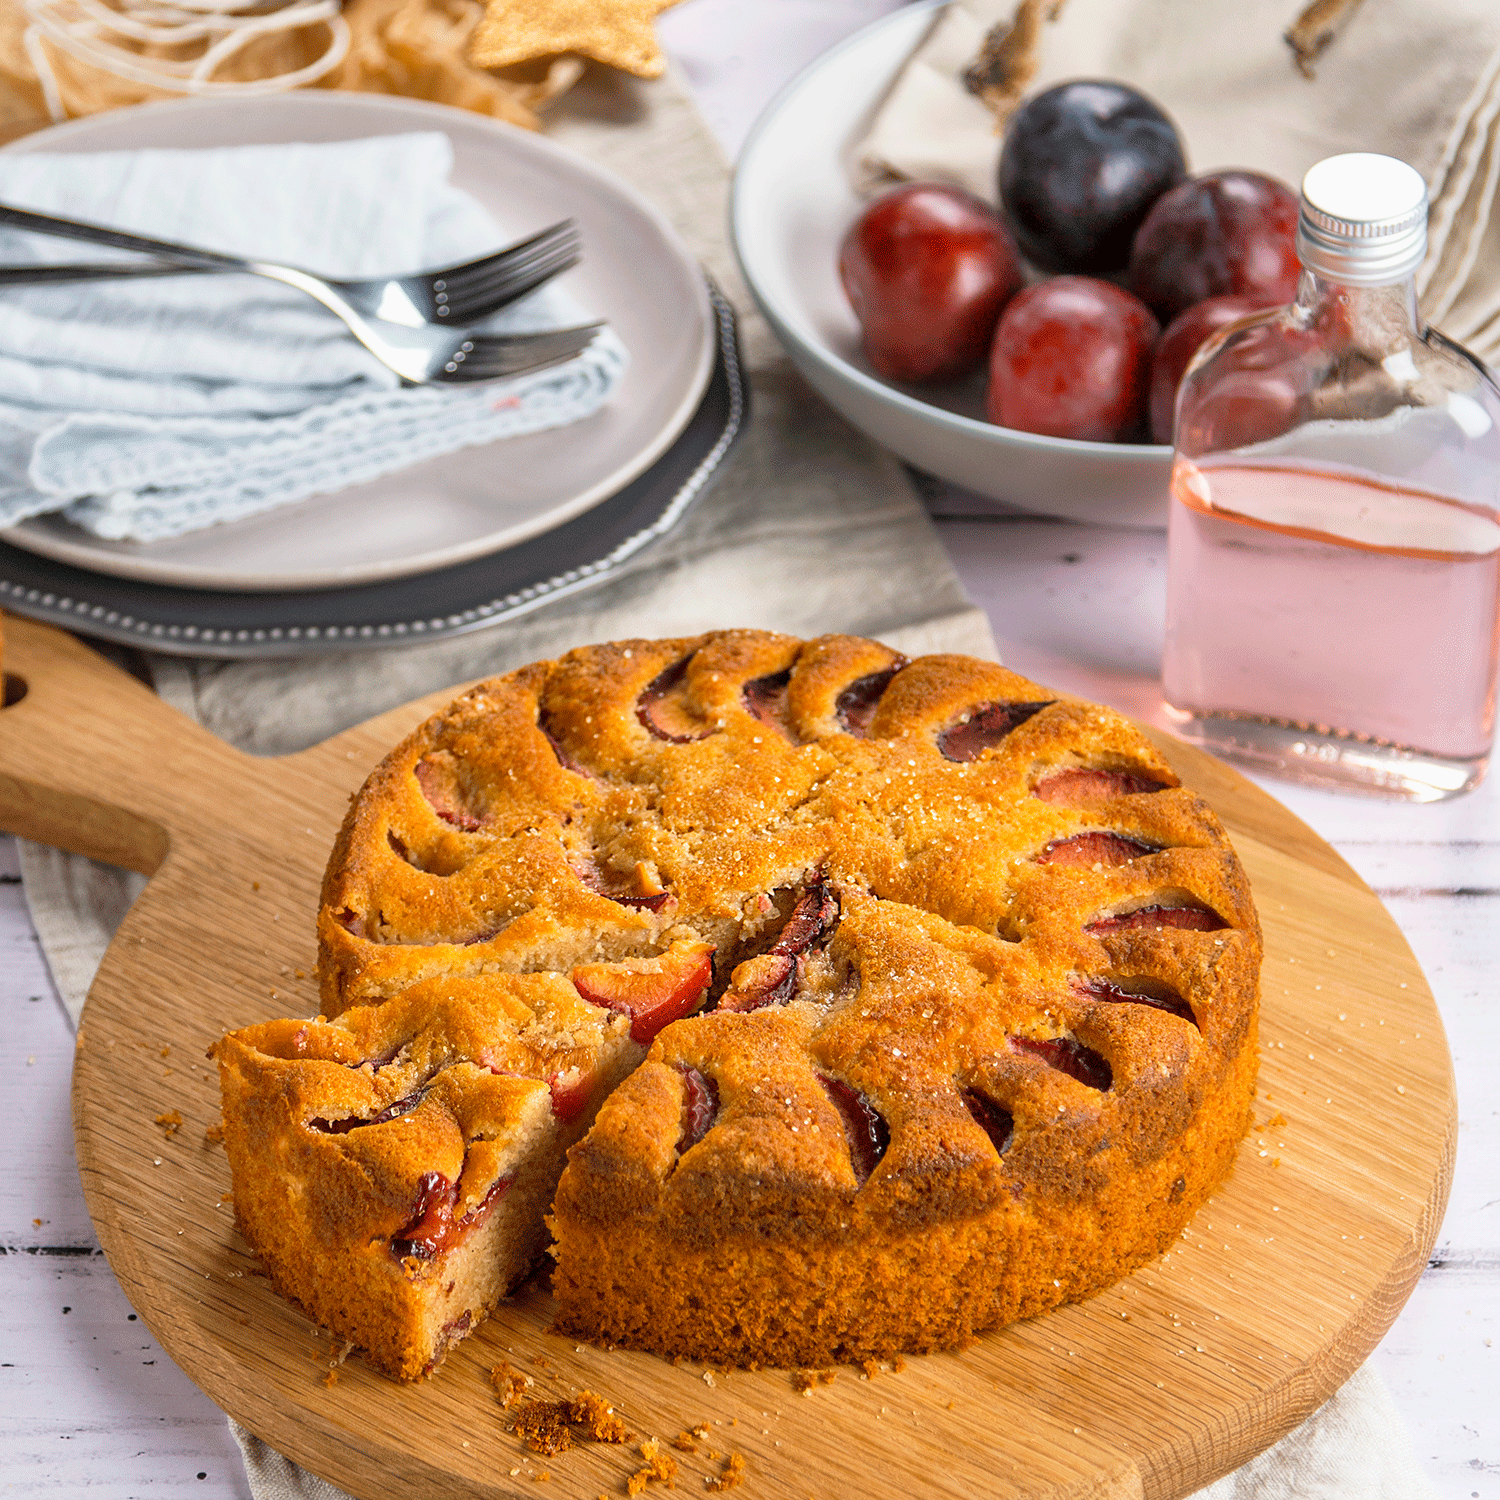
x: 1081, y: 166
x: 1179, y: 342
x: 1072, y: 359
x: 1225, y: 234
x: 928, y: 269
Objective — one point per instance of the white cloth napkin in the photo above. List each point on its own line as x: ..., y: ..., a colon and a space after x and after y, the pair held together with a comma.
x: 144, y: 409
x: 1406, y: 77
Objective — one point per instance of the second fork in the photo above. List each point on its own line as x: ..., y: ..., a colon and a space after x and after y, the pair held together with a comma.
x: 464, y: 293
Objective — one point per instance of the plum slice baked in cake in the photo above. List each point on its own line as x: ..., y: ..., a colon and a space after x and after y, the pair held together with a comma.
x: 911, y: 999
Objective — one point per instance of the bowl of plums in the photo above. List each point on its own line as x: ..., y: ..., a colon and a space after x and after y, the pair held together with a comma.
x: 1026, y: 348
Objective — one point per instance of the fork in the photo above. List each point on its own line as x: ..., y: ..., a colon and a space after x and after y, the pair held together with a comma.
x: 463, y: 293
x: 418, y: 352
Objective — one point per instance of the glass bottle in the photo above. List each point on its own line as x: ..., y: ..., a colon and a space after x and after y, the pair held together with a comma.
x: 1333, y: 586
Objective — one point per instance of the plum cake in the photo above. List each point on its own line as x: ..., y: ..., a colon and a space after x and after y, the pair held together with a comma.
x: 821, y: 1003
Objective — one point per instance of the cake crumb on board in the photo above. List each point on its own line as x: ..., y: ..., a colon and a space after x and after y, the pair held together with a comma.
x: 170, y: 1122
x: 545, y: 1426
x: 542, y: 1426
x: 333, y: 1375
x: 597, y: 1418
x: 510, y: 1384
x: 660, y: 1468
x: 732, y: 1474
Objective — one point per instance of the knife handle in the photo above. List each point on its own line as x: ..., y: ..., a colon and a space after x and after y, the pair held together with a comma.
x: 112, y: 270
x: 101, y: 234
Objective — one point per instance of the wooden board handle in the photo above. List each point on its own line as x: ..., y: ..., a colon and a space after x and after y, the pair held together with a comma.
x: 92, y: 760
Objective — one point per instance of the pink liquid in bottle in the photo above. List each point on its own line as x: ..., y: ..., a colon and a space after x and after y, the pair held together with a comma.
x: 1333, y: 588
x: 1336, y: 628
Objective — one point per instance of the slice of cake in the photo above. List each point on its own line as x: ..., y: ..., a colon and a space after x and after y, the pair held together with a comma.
x: 392, y: 1166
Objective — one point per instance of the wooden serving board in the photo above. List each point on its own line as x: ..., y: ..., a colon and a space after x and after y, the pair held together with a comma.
x: 1276, y: 1292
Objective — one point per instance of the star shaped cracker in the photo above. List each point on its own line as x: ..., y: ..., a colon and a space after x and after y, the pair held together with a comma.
x: 615, y: 32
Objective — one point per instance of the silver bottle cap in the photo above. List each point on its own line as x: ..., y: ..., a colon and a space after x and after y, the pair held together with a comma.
x: 1363, y: 219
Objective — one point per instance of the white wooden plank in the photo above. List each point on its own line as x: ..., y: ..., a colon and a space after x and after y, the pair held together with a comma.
x: 1075, y: 607
x: 1457, y: 942
x: 1467, y: 868
x: 1442, y: 1364
x: 39, y: 1179
x: 88, y: 1401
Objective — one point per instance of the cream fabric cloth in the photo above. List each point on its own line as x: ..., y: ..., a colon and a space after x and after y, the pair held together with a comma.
x: 810, y: 528
x: 1405, y: 77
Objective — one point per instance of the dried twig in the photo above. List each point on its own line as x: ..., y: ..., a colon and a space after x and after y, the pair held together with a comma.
x: 1008, y: 57
x: 1311, y: 33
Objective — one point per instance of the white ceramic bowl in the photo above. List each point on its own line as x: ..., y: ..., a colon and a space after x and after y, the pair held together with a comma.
x: 793, y: 202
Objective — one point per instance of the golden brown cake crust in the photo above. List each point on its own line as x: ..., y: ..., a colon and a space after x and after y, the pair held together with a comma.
x: 980, y: 979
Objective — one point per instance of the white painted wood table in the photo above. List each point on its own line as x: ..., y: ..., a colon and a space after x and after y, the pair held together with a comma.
x: 89, y: 1403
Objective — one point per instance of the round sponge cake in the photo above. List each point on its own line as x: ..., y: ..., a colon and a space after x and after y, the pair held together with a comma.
x: 905, y: 999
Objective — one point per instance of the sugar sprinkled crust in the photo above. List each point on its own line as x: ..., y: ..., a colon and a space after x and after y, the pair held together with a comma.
x: 980, y: 986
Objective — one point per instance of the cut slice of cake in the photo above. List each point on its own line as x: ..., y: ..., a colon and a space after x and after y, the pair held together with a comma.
x: 392, y: 1166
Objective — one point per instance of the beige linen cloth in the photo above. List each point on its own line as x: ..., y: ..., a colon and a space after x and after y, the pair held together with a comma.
x: 1406, y: 77
x: 810, y: 528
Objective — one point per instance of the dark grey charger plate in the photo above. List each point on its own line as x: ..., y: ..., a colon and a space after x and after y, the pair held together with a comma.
x: 449, y: 601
